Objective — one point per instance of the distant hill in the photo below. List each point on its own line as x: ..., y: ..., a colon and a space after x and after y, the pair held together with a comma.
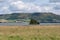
x: 40, y: 17
x: 46, y: 17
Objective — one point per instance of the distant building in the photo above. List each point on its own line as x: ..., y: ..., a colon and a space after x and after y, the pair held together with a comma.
x: 18, y: 21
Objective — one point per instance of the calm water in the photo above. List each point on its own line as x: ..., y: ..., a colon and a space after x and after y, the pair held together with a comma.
x: 13, y: 24
x: 49, y: 23
x: 25, y: 23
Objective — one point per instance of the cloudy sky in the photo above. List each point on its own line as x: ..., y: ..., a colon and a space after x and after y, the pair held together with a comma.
x: 12, y: 6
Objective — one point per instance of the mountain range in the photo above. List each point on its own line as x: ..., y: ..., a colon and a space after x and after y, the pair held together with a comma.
x: 43, y: 17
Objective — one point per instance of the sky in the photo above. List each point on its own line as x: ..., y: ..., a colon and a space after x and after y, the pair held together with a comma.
x: 29, y: 6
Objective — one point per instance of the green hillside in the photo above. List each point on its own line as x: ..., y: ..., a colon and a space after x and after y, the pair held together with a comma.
x: 40, y: 17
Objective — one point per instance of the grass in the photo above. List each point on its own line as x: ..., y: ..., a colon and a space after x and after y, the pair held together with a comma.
x: 32, y: 32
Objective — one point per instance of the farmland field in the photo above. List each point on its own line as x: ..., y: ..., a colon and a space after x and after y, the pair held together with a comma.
x: 30, y: 32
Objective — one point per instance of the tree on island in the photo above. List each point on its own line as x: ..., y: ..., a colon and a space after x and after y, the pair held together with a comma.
x: 33, y: 22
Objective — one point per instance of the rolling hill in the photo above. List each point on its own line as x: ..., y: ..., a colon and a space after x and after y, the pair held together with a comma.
x: 40, y: 17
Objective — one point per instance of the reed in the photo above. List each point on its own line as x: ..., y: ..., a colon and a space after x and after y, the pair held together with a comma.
x: 31, y: 32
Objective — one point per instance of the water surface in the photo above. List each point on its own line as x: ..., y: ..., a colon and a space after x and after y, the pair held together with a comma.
x: 25, y: 23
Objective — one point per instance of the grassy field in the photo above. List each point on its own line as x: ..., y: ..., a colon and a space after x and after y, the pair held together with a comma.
x: 32, y: 32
